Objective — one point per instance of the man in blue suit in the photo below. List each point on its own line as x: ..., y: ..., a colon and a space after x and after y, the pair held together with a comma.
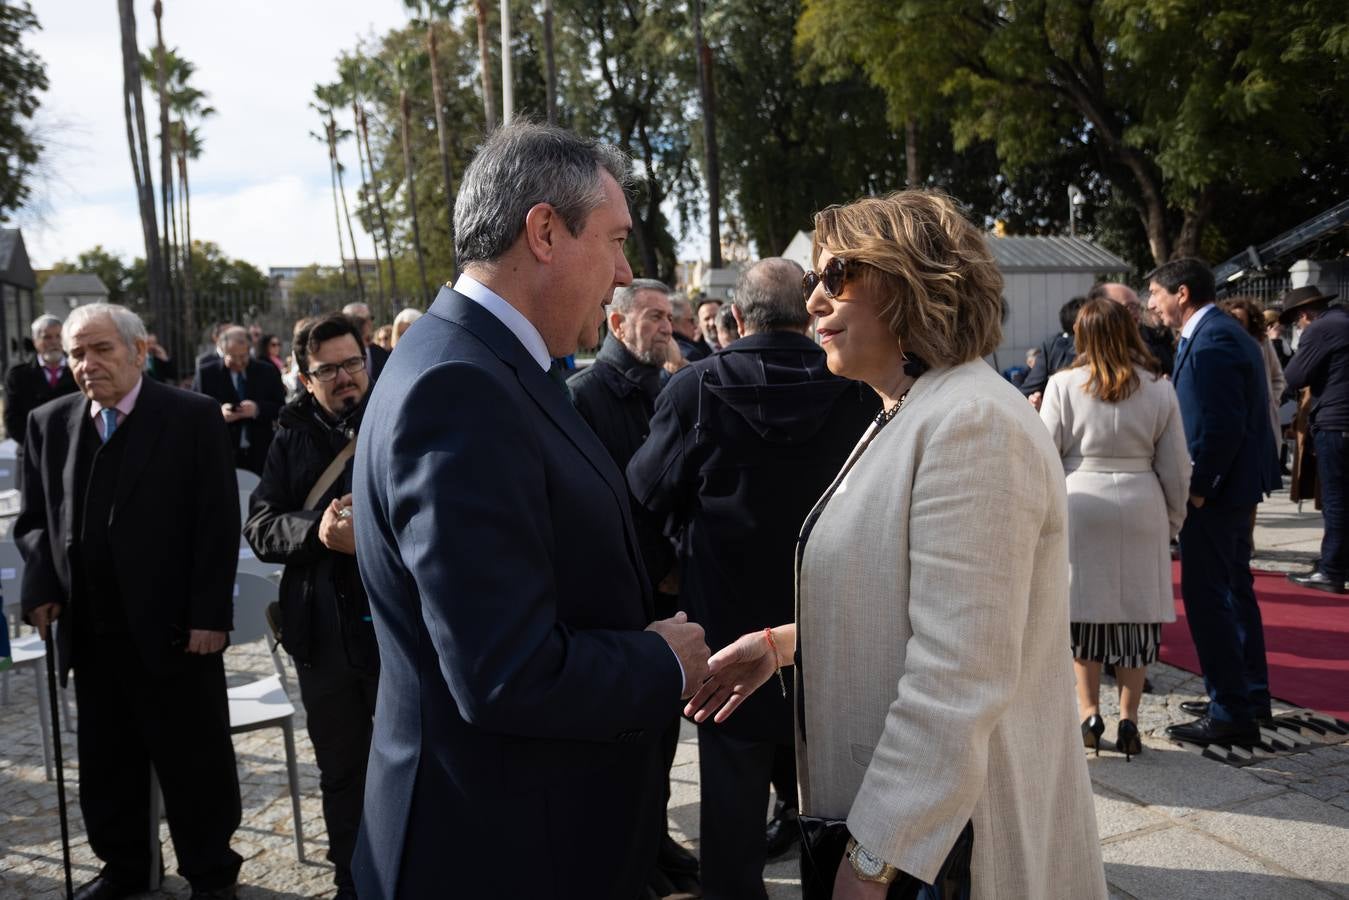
x: 522, y: 690
x: 1221, y: 385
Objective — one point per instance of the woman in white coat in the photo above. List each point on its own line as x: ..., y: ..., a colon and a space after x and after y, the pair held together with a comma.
x: 934, y: 688
x: 1117, y: 427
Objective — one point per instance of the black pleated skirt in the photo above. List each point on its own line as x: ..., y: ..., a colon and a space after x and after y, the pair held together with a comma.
x: 1125, y: 644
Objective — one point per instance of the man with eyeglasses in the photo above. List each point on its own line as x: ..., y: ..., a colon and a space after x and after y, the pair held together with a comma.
x: 300, y: 516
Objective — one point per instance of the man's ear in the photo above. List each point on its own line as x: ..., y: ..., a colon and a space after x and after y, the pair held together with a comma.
x: 615, y: 319
x: 541, y: 224
x: 739, y: 319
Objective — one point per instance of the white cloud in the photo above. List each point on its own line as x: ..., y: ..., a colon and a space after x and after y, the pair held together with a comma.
x: 261, y: 187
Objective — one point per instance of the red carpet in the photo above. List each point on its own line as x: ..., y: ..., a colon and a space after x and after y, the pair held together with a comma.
x: 1306, y: 642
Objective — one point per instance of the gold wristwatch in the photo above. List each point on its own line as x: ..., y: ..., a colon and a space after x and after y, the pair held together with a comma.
x: 868, y: 866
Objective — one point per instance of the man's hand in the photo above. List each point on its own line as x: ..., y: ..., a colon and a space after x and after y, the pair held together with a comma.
x: 43, y: 616
x: 248, y: 409
x: 158, y: 352
x: 735, y: 671
x: 231, y: 413
x: 674, y: 357
x: 205, y: 642
x: 1196, y: 501
x: 687, y: 641
x: 336, y: 531
x: 847, y: 886
x: 1035, y: 399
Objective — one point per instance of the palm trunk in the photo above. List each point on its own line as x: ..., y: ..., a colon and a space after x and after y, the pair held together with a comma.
x: 193, y: 336
x: 351, y: 232
x: 379, y: 208
x: 712, y: 164
x: 550, y: 63
x: 165, y: 154
x: 337, y: 212
x: 134, y: 110
x: 485, y: 62
x: 365, y: 198
x: 912, y: 175
x: 442, y: 135
x: 412, y: 195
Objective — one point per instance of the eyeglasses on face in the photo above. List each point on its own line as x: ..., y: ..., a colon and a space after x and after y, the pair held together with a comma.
x: 832, y: 276
x: 329, y: 372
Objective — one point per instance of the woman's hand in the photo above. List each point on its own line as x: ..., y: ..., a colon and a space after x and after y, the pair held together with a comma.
x: 736, y: 671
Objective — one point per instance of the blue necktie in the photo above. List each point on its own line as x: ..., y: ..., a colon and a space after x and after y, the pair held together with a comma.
x: 1180, y: 348
x: 239, y: 385
x: 109, y: 422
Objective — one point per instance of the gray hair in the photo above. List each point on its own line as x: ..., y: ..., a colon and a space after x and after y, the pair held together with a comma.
x: 519, y: 166
x: 356, y: 310
x: 42, y: 323
x: 129, y: 325
x: 626, y: 296
x: 769, y: 298
x: 680, y: 306
x: 233, y: 334
x: 406, y: 316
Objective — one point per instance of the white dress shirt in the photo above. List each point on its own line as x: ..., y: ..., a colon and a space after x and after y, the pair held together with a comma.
x: 512, y: 318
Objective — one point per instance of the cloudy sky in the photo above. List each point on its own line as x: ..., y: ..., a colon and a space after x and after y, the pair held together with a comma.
x: 260, y: 189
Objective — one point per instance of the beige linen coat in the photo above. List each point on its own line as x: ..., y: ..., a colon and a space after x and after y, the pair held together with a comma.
x: 933, y: 625
x: 1128, y: 477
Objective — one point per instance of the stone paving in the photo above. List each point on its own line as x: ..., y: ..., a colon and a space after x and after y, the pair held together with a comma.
x: 1172, y: 823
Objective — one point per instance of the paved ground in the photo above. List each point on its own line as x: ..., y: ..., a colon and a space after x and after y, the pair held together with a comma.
x: 1172, y: 824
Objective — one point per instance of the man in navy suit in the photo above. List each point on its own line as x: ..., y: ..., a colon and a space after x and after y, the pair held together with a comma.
x: 522, y: 690
x: 1221, y: 385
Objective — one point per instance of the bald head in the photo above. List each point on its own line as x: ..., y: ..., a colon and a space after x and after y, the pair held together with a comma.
x: 1119, y: 293
x: 768, y: 297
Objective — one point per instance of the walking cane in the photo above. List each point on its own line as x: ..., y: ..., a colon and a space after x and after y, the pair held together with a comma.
x: 60, y: 767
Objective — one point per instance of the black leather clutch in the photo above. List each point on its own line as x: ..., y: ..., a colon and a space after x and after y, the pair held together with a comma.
x: 824, y: 842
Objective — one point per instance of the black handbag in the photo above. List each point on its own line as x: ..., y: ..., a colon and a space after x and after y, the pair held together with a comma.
x: 824, y: 842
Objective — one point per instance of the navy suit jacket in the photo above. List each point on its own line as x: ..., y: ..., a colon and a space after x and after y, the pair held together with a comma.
x: 1223, y: 389
x: 520, y: 701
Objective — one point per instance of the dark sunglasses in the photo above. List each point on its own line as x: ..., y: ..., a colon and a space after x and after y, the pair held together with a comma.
x: 832, y: 276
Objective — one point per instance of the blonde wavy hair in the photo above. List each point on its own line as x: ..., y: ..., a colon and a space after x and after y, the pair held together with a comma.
x: 939, y: 286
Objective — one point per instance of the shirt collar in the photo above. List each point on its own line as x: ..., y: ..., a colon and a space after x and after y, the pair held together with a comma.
x: 512, y: 318
x: 124, y: 406
x: 1187, y: 332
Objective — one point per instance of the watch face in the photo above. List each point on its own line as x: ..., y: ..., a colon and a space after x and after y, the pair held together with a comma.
x: 867, y: 864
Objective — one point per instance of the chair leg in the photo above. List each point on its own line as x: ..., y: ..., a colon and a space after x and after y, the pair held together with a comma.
x: 42, y: 722
x: 65, y: 708
x: 156, y: 851
x: 293, y: 775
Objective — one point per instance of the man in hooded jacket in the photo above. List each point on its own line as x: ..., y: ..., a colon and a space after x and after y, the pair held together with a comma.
x: 742, y: 444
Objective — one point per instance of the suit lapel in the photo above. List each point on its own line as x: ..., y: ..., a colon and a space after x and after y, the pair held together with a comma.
x: 1184, y: 355
x: 79, y: 413
x: 141, y: 440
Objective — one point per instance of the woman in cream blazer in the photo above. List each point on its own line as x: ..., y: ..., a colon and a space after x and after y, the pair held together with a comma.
x: 932, y: 605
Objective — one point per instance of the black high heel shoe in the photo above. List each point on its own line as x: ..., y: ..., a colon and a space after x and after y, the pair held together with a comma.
x: 1092, y: 729
x: 1127, y: 740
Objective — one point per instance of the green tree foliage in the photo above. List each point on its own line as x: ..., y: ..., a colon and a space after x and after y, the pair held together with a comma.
x: 23, y: 76
x: 1183, y: 105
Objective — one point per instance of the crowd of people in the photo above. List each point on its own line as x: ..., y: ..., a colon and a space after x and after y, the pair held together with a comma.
x: 774, y: 516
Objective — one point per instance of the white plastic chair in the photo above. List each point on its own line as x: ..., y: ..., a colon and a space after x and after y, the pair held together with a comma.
x: 33, y: 649
x: 264, y: 703
x: 247, y: 480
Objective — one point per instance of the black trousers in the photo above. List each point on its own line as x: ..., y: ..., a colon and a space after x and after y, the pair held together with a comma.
x: 1332, y: 468
x: 339, y: 703
x: 177, y: 720
x: 1224, y: 618
x: 735, y: 774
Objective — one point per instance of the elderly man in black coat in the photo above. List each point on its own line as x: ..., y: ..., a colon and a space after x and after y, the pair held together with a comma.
x: 130, y: 534
x: 250, y: 394
x: 742, y: 445
x: 29, y: 385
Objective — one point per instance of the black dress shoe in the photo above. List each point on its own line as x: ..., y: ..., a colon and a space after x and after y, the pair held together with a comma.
x: 782, y: 832
x: 104, y: 888
x: 1318, y: 581
x: 1200, y: 708
x: 1208, y: 730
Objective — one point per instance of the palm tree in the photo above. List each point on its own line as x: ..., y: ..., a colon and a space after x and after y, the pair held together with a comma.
x: 550, y: 63
x: 133, y: 109
x: 364, y: 81
x: 334, y: 96
x: 165, y: 153
x: 325, y: 98
x: 711, y: 162
x: 402, y: 78
x: 349, y: 77
x: 438, y: 96
x: 485, y: 62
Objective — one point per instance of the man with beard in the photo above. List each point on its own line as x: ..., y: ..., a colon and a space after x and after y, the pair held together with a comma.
x: 29, y: 385
x: 300, y: 515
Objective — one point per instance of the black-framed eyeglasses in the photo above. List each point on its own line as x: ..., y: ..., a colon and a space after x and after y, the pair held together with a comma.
x: 832, y: 276
x: 329, y: 372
